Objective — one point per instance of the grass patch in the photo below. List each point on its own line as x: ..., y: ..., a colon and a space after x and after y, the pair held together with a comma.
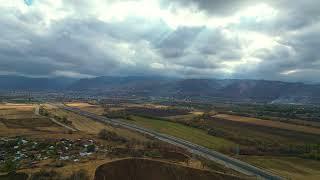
x: 290, y: 167
x: 194, y: 135
x: 269, y: 123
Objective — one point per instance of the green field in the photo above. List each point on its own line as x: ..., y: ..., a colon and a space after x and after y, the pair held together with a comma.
x: 290, y: 167
x: 194, y: 135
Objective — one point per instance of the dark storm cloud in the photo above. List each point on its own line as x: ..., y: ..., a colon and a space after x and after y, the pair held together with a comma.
x: 173, y: 44
x: 214, y: 42
x: 69, y: 45
x: 194, y: 49
x: 61, y: 48
x: 214, y: 7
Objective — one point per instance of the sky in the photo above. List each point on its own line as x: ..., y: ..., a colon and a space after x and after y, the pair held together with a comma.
x: 247, y: 39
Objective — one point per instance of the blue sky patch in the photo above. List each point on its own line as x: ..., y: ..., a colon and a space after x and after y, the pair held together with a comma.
x: 28, y: 2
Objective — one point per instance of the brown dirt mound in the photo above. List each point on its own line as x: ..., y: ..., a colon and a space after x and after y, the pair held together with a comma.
x: 144, y: 169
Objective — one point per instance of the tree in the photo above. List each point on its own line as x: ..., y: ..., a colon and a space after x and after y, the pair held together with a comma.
x: 10, y: 166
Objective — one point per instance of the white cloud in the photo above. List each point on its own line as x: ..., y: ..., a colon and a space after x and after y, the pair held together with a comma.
x: 92, y: 38
x: 71, y: 74
x: 157, y: 66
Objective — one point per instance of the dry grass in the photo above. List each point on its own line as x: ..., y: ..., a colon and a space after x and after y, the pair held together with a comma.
x: 20, y: 120
x: 79, y: 104
x: 88, y: 107
x: 90, y: 126
x: 43, y: 129
x: 8, y: 132
x: 198, y: 113
x: 269, y: 123
x: 69, y: 168
x: 147, y: 105
x: 17, y: 106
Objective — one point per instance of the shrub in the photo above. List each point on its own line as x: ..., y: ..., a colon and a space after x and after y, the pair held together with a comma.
x: 311, y: 155
x: 91, y: 148
x: 14, y: 176
x: 43, y: 111
x: 110, y: 136
x: 65, y: 120
x: 9, y: 166
x: 153, y: 154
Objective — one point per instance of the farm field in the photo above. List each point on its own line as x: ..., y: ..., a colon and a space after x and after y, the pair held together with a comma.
x: 261, y: 142
x: 269, y: 123
x: 281, y: 165
x: 181, y: 131
x: 290, y: 167
x: 16, y: 106
x: 187, y: 117
x: 20, y: 120
x: 48, y: 146
x: 93, y: 127
x: 87, y: 107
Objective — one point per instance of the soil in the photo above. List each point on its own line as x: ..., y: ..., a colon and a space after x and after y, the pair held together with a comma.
x: 145, y: 169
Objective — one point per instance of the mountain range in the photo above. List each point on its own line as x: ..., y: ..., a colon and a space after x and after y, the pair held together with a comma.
x: 205, y: 89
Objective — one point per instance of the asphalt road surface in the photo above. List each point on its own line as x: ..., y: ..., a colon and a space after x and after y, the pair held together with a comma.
x: 215, y: 156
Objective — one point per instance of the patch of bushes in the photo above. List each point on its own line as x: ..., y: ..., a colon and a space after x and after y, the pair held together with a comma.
x: 117, y: 115
x: 9, y: 166
x: 312, y: 155
x: 65, y: 120
x: 91, y: 148
x: 14, y: 176
x: 111, y: 136
x: 153, y: 154
x: 53, y: 175
x: 43, y: 111
x: 215, y: 132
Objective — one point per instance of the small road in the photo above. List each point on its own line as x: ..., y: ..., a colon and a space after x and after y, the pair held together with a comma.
x: 37, y: 109
x: 63, y: 125
x: 215, y: 156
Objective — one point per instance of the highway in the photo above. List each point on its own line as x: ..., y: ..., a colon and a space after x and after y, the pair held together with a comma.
x: 215, y: 156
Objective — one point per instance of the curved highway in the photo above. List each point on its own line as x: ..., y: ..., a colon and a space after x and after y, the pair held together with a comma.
x: 220, y: 158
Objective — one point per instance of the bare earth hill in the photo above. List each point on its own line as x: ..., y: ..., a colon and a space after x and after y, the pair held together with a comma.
x: 144, y: 169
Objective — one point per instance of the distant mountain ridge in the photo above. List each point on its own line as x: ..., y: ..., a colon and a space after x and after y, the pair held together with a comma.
x: 22, y: 83
x: 230, y: 89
